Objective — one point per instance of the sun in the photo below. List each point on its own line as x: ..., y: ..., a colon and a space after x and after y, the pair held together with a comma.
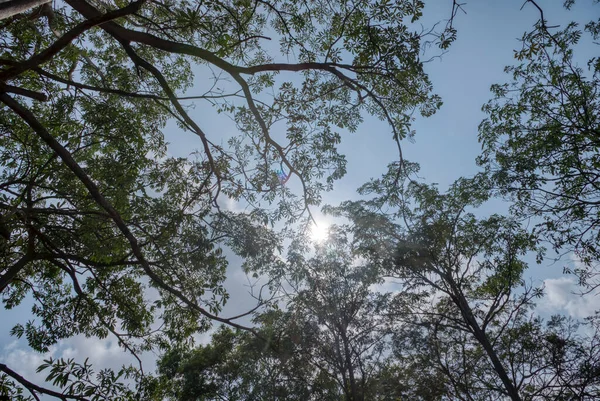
x: 319, y: 232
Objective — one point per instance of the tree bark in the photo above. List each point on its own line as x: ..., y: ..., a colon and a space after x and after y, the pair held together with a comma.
x: 481, y: 337
x: 13, y: 7
x: 348, y: 358
x: 12, y: 271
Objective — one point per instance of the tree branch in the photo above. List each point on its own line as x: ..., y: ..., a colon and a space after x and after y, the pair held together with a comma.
x: 42, y: 97
x: 33, y: 387
x: 12, y: 271
x: 14, y: 7
x: 95, y: 193
x: 67, y: 38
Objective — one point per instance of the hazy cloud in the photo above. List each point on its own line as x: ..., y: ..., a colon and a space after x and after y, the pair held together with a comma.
x: 561, y: 296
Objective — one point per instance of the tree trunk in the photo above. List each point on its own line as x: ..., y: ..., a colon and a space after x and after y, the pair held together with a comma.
x: 348, y: 357
x: 8, y: 8
x: 481, y: 337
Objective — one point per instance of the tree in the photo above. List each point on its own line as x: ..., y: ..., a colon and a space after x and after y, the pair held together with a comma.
x: 540, y: 140
x: 460, y: 277
x: 330, y: 343
x: 237, y: 365
x: 556, y: 360
x: 463, y: 295
x: 97, y: 219
x: 460, y: 325
x: 346, y: 329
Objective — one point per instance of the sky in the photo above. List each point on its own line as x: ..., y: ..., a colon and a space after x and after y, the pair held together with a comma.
x: 445, y: 145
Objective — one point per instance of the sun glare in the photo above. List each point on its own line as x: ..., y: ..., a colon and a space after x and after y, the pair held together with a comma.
x: 319, y: 232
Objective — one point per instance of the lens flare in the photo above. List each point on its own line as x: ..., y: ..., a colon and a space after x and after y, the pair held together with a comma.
x: 319, y: 232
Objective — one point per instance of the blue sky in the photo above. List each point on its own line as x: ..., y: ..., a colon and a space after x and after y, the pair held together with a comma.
x: 446, y: 144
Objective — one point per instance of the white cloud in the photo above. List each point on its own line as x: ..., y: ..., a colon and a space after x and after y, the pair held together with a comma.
x: 102, y: 353
x: 230, y: 204
x: 561, y: 296
x: 22, y: 361
x: 389, y: 285
x: 105, y: 353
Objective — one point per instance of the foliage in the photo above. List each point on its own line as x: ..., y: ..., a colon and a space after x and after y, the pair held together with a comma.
x: 330, y: 343
x: 103, y: 229
x: 540, y: 139
x: 558, y: 359
x: 460, y: 277
x: 461, y: 323
x: 108, y: 234
x: 458, y: 326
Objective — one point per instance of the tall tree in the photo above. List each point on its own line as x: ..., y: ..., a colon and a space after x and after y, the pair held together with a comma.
x: 460, y: 276
x: 348, y: 329
x: 330, y: 343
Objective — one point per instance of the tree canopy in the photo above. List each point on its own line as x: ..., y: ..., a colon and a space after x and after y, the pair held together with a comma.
x: 107, y: 233
x: 329, y: 343
x: 415, y: 293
